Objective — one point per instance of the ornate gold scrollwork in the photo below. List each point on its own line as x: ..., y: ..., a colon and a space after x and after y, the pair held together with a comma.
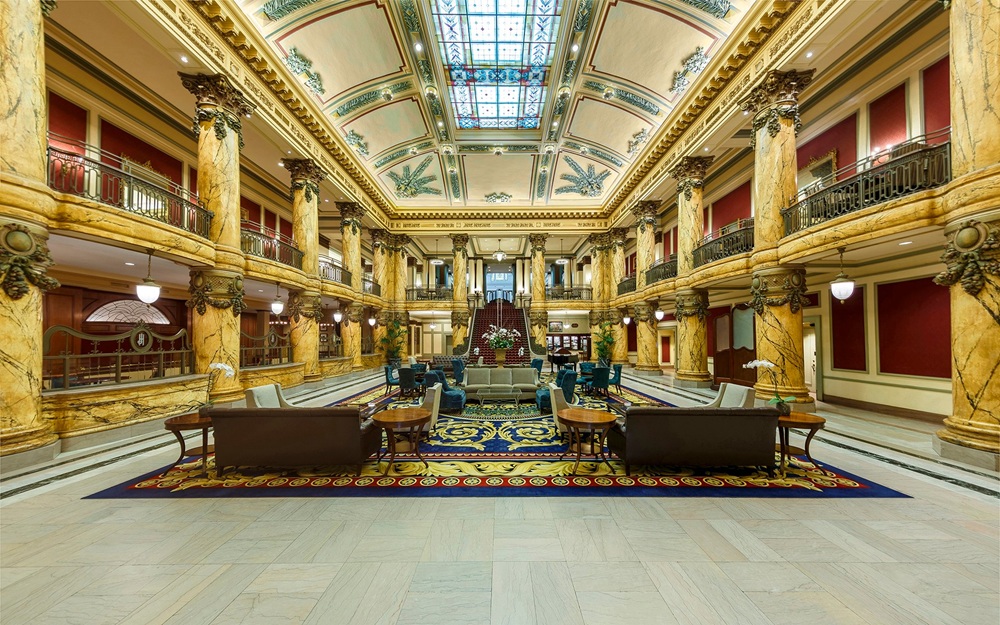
x: 791, y: 283
x: 216, y: 290
x: 972, y: 253
x: 691, y: 304
x: 24, y: 259
x: 301, y: 305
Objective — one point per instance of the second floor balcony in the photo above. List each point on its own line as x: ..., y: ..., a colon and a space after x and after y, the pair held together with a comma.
x: 330, y: 269
x: 568, y: 293
x: 370, y: 287
x: 627, y: 285
x: 736, y: 238
x: 259, y: 242
x: 429, y: 293
x: 662, y: 270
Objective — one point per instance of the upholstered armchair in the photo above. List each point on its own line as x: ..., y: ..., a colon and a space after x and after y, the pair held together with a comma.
x: 432, y: 402
x: 407, y: 382
x: 418, y: 367
x: 451, y: 398
x: 458, y: 367
x: 733, y: 396
x: 599, y: 381
x: 536, y: 364
x: 390, y: 380
x: 267, y: 396
x: 543, y: 397
x: 616, y: 379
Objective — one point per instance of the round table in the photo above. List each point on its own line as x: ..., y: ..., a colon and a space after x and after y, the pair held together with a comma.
x: 411, y: 419
x: 579, y: 420
x: 801, y: 420
x: 192, y: 421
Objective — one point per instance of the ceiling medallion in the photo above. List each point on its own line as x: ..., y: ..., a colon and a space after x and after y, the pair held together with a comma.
x: 387, y: 94
x: 498, y: 198
x: 587, y: 183
x: 410, y: 184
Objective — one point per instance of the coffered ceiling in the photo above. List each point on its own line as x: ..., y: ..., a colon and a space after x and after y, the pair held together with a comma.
x: 455, y: 104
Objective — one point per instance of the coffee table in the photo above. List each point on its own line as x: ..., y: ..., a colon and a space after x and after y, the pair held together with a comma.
x: 802, y: 420
x: 186, y: 422
x: 411, y: 419
x: 484, y: 395
x: 579, y: 420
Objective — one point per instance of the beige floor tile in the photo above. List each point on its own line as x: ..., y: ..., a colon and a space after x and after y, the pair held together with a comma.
x: 297, y: 579
x: 443, y: 577
x: 266, y: 609
x: 624, y: 608
x: 512, y: 601
x: 794, y: 608
x: 777, y: 577
x: 527, y: 550
x: 446, y: 608
x: 618, y: 577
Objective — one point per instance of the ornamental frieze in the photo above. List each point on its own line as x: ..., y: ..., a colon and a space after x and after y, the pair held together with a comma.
x: 691, y: 304
x: 789, y: 284
x: 24, y: 260
x: 308, y: 306
x: 538, y: 318
x: 220, y: 290
x: 460, y: 318
x: 972, y: 254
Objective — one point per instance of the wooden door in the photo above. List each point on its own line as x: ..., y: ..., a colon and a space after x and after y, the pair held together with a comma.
x: 735, y: 346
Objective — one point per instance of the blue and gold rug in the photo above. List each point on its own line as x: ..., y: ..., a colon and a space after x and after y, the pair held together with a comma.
x: 499, y: 450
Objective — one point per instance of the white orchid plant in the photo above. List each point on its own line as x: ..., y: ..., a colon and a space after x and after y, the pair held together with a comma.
x: 215, y: 370
x: 501, y: 338
x: 770, y: 367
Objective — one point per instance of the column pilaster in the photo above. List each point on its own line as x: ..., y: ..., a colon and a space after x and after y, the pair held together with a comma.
x: 398, y: 243
x: 351, y: 214
x: 305, y: 310
x: 217, y: 300
x: 460, y: 330
x: 306, y: 175
x: 974, y: 56
x: 538, y: 268
x: 539, y: 320
x: 382, y: 261
x: 620, y: 333
x: 600, y: 243
x: 692, y: 339
x: 645, y: 328
x: 617, y: 238
x: 459, y: 266
x: 350, y: 333
x: 645, y: 240
x: 23, y: 122
x: 689, y: 172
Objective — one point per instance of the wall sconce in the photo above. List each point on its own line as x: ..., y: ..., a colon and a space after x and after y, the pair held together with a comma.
x: 149, y: 291
x: 659, y: 314
x: 277, y: 306
x: 842, y: 287
x: 371, y: 321
x: 338, y: 316
x: 626, y: 320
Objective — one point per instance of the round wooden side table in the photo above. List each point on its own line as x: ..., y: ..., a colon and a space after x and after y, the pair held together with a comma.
x: 411, y: 419
x: 186, y: 422
x: 801, y: 420
x: 579, y: 420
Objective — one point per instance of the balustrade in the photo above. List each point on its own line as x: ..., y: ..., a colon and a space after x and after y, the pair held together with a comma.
x: 429, y: 293
x: 261, y: 351
x: 371, y: 287
x: 627, y: 285
x: 330, y: 270
x: 276, y: 248
x: 567, y: 293
x: 736, y: 238
x: 662, y: 270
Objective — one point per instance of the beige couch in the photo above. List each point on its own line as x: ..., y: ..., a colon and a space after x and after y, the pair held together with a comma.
x: 524, y: 379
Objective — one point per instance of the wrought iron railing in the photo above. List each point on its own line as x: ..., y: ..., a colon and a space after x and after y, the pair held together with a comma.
x: 367, y: 346
x: 371, y: 287
x: 330, y: 270
x: 263, y: 246
x: 504, y: 294
x: 429, y: 293
x: 83, y: 359
x: 331, y: 348
x: 733, y: 239
x: 917, y: 165
x: 663, y: 270
x: 627, y: 285
x: 166, y: 202
x: 564, y: 293
x: 262, y: 351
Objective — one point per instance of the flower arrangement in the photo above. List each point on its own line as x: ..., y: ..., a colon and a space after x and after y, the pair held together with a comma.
x: 501, y: 338
x: 778, y: 401
x: 214, y: 370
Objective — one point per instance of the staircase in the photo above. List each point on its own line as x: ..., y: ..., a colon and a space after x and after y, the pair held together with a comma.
x: 510, y: 317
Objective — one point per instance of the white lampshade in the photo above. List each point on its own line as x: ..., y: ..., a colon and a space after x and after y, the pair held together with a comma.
x: 148, y: 292
x: 842, y: 287
x: 499, y: 255
x: 338, y: 317
x: 277, y: 306
x: 371, y: 321
x: 437, y: 261
x: 562, y: 261
x: 626, y: 320
x: 659, y: 315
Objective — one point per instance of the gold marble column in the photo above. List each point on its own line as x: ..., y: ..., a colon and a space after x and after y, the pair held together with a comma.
x: 620, y: 334
x: 775, y: 107
x: 974, y: 56
x: 305, y: 310
x: 382, y: 261
x: 306, y: 175
x: 538, y: 268
x: 616, y: 258
x: 777, y: 295
x: 350, y: 333
x: 689, y: 172
x: 217, y: 300
x: 382, y: 319
x: 645, y: 241
x: 600, y: 244
x: 398, y: 243
x: 460, y: 330
x: 24, y: 256
x: 459, y: 267
x: 539, y: 320
x: 645, y: 334
x: 692, y: 339
x: 351, y: 214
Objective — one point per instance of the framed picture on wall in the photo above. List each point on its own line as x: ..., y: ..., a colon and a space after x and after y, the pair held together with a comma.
x: 324, y: 337
x: 555, y: 326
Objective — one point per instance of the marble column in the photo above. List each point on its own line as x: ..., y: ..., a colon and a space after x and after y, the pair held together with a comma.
x: 689, y: 172
x: 645, y: 240
x: 382, y: 261
x: 645, y: 334
x: 600, y: 243
x: 350, y: 333
x: 305, y: 310
x: 306, y: 175
x: 24, y: 254
x: 459, y: 266
x: 692, y: 339
x: 537, y: 268
x: 620, y: 334
x: 974, y: 56
x: 539, y: 320
x: 460, y: 330
x: 217, y: 300
x: 351, y: 214
x: 398, y: 243
x: 775, y: 107
x: 616, y: 259
x: 777, y: 295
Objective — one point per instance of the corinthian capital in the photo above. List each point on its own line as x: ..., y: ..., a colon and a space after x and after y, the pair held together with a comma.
x: 692, y: 167
x: 777, y: 88
x: 538, y: 242
x: 304, y: 169
x: 216, y: 90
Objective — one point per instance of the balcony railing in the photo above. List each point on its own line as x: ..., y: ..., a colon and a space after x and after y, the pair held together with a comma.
x: 423, y: 293
x: 627, y: 285
x: 261, y: 351
x: 919, y: 164
x: 371, y: 287
x: 731, y: 240
x: 263, y: 246
x: 663, y: 270
x: 565, y: 293
x: 330, y: 270
x: 367, y: 346
x: 162, y: 200
x: 332, y: 348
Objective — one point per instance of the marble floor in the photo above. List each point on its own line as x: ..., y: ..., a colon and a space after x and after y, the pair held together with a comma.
x: 933, y: 559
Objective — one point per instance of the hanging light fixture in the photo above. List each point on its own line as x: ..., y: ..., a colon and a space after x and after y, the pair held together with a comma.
x: 842, y: 287
x: 626, y: 320
x: 277, y: 306
x: 338, y: 316
x: 149, y: 291
x: 371, y: 321
x: 659, y: 314
x: 561, y: 260
x: 499, y: 255
x: 436, y: 260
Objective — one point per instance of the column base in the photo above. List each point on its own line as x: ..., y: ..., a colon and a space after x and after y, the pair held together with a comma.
x: 30, y: 457
x: 680, y: 382
x: 648, y: 370
x: 972, y: 435
x: 312, y: 378
x: 961, y: 453
x: 20, y: 439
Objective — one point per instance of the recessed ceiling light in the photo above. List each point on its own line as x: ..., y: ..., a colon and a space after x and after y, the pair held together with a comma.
x: 555, y: 124
x: 288, y: 151
x: 327, y: 200
x: 575, y: 47
x: 260, y: 290
x: 440, y: 124
x: 706, y: 148
x: 906, y: 243
x: 128, y: 264
x: 419, y: 47
x: 809, y: 55
x: 184, y: 58
x: 280, y: 164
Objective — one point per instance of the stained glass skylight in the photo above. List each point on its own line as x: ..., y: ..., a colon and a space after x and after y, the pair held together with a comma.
x: 497, y: 56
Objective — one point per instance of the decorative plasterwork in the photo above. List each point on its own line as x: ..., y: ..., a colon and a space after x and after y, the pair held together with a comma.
x: 637, y: 140
x: 972, y: 254
x: 492, y: 147
x: 498, y: 198
x: 24, y: 259
x: 587, y: 183
x: 777, y: 88
x: 537, y: 241
x: 219, y: 102
x: 460, y: 319
x: 277, y: 9
x: 596, y: 152
x: 357, y: 142
x: 398, y: 154
x: 609, y: 93
x: 539, y: 318
x: 543, y: 177
x: 300, y: 65
x: 645, y: 214
x: 304, y: 169
x: 791, y: 284
x: 690, y: 172
x: 460, y: 244
x: 600, y: 242
x: 218, y: 289
x: 716, y: 8
x: 351, y: 214
x: 302, y: 305
x: 370, y: 97
x: 618, y: 236
x: 48, y: 6
x: 410, y: 184
x: 694, y: 64
x: 691, y: 304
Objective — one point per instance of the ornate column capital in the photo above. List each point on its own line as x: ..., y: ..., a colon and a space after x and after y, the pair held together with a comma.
x: 460, y: 318
x: 351, y: 214
x: 538, y: 242
x: 399, y: 241
x: 689, y: 172
x: 618, y: 236
x: 380, y: 238
x: 538, y: 318
x: 306, y: 175
x: 645, y: 214
x: 973, y: 252
x: 692, y: 303
x: 218, y: 289
x: 217, y: 101
x: 601, y: 241
x: 304, y: 304
x: 24, y: 259
x: 643, y: 313
x: 776, y: 287
x: 355, y: 311
x: 459, y: 244
x: 777, y: 88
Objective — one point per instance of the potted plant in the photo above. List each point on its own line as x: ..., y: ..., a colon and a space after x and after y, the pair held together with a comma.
x: 392, y: 342
x: 779, y: 402
x: 604, y: 343
x: 501, y: 339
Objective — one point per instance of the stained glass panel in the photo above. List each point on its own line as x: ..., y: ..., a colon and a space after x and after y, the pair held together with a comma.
x: 498, y: 56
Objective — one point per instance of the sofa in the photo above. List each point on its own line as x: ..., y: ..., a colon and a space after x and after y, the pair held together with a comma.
x: 292, y: 437
x: 695, y: 437
x: 524, y: 379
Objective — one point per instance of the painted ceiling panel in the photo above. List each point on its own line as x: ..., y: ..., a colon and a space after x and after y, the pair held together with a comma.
x: 646, y: 46
x: 581, y: 179
x: 347, y: 48
x: 388, y: 126
x: 510, y: 173
x: 416, y: 178
x: 605, y: 124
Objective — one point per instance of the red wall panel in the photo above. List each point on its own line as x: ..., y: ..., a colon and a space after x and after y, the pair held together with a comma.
x: 632, y: 337
x: 665, y: 349
x: 193, y: 180
x: 887, y: 119
x: 842, y: 137
x: 914, y: 328
x: 118, y: 142
x: 937, y: 101
x: 735, y: 205
x: 252, y: 210
x: 286, y: 229
x: 848, y: 331
x: 68, y: 120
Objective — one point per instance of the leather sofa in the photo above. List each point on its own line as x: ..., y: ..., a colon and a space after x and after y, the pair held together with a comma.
x: 524, y: 379
x: 695, y: 437
x: 292, y: 437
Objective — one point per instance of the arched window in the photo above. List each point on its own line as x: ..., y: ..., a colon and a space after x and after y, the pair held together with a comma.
x: 128, y: 311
